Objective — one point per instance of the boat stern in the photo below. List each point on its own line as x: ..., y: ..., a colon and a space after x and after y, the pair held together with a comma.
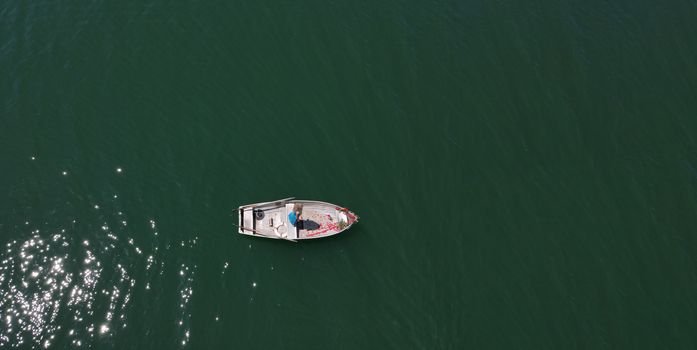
x: 245, y: 219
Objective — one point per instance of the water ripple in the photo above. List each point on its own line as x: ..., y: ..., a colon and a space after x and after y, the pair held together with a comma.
x: 45, y: 279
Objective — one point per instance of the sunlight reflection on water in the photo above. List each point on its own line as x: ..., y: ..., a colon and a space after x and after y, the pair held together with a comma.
x: 59, y: 287
x: 73, y: 285
x: 186, y: 274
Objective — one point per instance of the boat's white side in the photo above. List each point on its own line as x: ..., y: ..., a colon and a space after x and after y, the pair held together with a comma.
x: 270, y: 219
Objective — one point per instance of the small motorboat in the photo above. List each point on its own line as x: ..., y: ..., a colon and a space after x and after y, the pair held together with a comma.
x: 293, y: 219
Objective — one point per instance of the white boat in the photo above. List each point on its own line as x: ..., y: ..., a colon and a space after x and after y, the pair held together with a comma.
x: 271, y: 219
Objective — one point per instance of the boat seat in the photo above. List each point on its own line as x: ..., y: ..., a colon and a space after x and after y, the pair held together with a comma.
x: 248, y: 221
x: 292, y: 230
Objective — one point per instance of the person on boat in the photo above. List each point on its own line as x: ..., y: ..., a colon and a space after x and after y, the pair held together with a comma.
x: 295, y: 216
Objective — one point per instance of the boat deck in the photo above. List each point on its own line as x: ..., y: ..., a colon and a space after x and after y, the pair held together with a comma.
x: 317, y: 220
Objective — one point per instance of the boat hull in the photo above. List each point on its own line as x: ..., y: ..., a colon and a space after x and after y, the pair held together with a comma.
x: 317, y: 219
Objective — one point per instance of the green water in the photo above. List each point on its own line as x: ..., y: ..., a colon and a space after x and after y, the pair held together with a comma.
x: 526, y: 174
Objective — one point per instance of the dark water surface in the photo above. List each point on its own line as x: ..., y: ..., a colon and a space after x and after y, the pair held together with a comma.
x: 526, y: 174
